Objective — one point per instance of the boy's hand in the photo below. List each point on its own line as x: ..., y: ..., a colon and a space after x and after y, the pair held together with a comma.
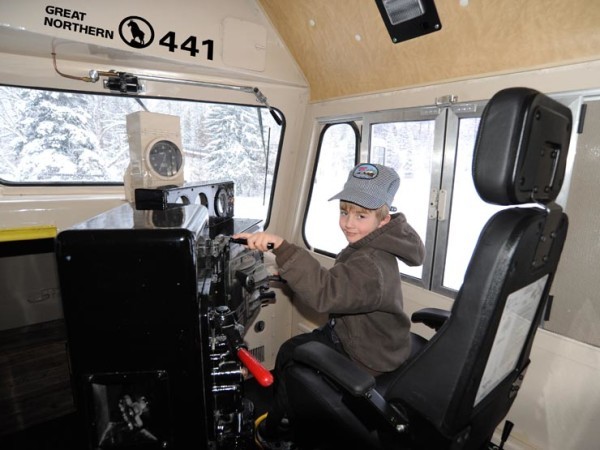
x: 260, y: 241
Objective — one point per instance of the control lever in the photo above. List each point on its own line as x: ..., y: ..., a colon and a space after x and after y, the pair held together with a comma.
x: 262, y: 375
x: 230, y: 328
x: 244, y: 241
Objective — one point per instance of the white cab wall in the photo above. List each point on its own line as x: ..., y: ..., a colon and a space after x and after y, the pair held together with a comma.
x: 87, y: 36
x: 229, y: 38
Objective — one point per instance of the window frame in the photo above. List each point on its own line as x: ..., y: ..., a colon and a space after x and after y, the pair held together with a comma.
x: 136, y: 98
x: 444, y: 158
x: 323, y: 127
x: 111, y: 187
x: 413, y: 114
x: 442, y: 230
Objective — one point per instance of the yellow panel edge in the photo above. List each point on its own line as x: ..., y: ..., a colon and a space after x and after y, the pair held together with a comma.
x: 24, y: 233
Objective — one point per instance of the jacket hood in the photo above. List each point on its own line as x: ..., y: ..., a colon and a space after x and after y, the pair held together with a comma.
x: 397, y: 238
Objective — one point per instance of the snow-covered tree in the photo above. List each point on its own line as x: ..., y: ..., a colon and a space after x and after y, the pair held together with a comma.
x: 53, y: 141
x: 50, y: 136
x: 235, y: 149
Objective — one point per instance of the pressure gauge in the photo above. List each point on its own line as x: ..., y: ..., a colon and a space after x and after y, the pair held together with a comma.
x: 165, y: 158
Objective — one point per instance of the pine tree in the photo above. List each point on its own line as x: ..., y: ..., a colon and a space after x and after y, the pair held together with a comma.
x: 235, y: 151
x: 54, y: 142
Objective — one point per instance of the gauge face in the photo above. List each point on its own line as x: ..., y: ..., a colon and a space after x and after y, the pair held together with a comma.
x: 165, y: 158
x: 222, y: 203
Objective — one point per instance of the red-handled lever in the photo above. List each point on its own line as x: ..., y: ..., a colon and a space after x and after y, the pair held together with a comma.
x: 262, y: 375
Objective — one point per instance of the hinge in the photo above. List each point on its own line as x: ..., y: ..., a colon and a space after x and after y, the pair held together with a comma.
x: 446, y: 100
x: 437, y: 204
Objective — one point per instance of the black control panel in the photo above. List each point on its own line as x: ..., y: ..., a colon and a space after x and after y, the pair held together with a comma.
x: 156, y: 304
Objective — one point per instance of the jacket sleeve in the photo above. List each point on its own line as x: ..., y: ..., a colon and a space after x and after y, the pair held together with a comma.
x: 354, y: 286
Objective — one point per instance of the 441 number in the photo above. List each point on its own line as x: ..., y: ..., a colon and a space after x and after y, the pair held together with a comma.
x: 190, y: 45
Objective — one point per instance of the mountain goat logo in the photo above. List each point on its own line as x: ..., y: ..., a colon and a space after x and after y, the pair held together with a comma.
x: 136, y: 32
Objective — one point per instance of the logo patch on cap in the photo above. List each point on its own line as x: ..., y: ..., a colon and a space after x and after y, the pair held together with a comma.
x: 365, y: 171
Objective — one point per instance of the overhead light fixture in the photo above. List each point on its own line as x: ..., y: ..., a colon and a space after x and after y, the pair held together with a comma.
x: 408, y: 19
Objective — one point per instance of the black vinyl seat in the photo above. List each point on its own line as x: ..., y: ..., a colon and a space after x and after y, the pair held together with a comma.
x: 455, y: 390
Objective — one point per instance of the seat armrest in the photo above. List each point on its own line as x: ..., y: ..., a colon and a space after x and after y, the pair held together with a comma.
x: 432, y: 317
x: 336, y: 366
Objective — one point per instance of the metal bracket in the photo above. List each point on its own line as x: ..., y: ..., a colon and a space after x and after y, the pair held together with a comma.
x: 446, y: 100
x: 553, y: 219
x: 396, y: 418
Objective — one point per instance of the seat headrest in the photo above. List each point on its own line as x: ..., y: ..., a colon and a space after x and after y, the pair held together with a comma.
x: 521, y: 148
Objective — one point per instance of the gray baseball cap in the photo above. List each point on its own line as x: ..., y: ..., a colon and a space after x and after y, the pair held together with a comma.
x: 370, y: 186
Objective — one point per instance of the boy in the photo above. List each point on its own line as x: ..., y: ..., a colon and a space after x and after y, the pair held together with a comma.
x: 361, y: 292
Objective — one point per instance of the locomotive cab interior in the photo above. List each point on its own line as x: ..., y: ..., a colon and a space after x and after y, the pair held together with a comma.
x: 137, y: 138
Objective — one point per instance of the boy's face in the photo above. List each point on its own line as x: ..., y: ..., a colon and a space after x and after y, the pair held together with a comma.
x: 357, y: 222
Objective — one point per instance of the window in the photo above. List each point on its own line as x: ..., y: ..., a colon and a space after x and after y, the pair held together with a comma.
x: 431, y: 148
x: 70, y: 138
x: 338, y: 153
x: 408, y: 147
x: 460, y: 214
x: 469, y: 213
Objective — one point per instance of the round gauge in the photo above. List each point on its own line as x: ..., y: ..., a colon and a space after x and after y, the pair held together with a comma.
x: 222, y: 203
x: 165, y: 158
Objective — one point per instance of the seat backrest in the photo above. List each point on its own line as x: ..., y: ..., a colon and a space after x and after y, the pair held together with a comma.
x: 464, y: 381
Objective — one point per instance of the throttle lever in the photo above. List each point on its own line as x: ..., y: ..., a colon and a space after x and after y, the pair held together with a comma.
x: 244, y: 241
x: 262, y: 375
